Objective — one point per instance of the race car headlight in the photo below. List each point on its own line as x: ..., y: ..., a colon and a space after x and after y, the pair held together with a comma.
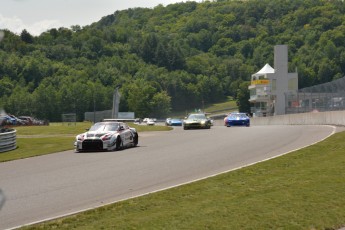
x: 106, y: 137
x: 80, y: 137
x: 203, y: 122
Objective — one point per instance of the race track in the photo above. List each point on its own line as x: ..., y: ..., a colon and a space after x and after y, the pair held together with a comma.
x: 53, y: 185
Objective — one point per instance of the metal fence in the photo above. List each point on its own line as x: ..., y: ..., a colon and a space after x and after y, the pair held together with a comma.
x: 69, y: 118
x: 97, y: 116
x: 329, y: 96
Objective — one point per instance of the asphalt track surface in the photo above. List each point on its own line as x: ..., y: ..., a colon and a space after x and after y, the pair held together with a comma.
x: 54, y: 185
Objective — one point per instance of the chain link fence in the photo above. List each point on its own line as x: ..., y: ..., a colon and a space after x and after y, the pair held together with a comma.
x: 69, y: 119
x: 329, y: 96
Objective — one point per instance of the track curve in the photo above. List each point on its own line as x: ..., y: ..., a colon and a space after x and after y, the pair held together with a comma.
x: 54, y: 185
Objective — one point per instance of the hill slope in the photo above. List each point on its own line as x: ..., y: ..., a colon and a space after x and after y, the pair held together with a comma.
x: 168, y: 58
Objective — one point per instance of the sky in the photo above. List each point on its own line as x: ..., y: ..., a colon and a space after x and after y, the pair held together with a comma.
x: 37, y: 16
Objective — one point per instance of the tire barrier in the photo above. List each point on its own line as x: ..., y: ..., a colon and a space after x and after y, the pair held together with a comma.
x: 8, y: 140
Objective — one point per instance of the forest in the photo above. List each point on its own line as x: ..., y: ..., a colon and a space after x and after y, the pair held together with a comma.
x: 168, y: 58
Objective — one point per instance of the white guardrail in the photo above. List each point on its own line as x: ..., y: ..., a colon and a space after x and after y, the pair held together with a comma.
x: 318, y: 118
x: 313, y: 118
x: 8, y: 141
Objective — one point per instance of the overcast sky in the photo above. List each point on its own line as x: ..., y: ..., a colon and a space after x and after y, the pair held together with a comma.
x: 37, y: 16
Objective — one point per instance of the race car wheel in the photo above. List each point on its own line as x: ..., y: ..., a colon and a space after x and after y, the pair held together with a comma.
x: 136, y: 139
x: 118, y: 143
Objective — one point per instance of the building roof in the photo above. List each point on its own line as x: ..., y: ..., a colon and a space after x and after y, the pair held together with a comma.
x: 265, y: 70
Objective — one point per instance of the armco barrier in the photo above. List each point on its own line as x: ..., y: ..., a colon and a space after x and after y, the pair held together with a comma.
x: 312, y: 118
x: 8, y: 141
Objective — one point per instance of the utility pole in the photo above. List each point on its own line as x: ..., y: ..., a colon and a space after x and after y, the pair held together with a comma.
x: 116, y: 103
x: 94, y: 107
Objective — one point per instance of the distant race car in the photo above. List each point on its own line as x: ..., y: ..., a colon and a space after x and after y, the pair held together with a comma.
x: 107, y: 136
x: 167, y: 121
x: 197, y: 120
x: 150, y: 122
x: 237, y: 119
x: 174, y: 122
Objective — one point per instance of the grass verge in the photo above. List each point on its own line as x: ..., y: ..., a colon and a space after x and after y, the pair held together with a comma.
x: 40, y: 140
x: 30, y: 147
x: 301, y: 190
x: 226, y: 106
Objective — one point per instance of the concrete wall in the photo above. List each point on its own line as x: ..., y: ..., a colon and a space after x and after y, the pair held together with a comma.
x: 317, y: 118
x: 281, y: 76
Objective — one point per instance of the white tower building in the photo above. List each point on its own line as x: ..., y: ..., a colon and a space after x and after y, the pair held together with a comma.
x: 269, y: 86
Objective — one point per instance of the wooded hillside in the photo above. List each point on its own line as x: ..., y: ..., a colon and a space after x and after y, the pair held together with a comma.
x: 168, y: 58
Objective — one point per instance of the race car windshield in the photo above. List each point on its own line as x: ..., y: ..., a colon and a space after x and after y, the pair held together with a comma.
x: 197, y: 116
x: 238, y: 115
x: 104, y: 127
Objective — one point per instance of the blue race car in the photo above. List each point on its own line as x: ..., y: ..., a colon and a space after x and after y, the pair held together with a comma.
x: 176, y: 122
x: 237, y: 119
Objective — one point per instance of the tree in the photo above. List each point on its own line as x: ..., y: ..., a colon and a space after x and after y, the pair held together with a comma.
x: 140, y: 94
x: 160, y: 105
x: 26, y: 36
x: 47, y: 103
x: 242, y: 99
x: 32, y: 70
x: 6, y: 87
x: 19, y: 102
x: 327, y: 71
x: 149, y: 47
x: 169, y: 55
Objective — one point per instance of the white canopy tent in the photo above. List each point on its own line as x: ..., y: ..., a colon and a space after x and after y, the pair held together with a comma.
x: 265, y: 70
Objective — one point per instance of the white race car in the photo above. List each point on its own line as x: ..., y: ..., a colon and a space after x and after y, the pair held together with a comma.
x: 107, y: 136
x: 150, y: 122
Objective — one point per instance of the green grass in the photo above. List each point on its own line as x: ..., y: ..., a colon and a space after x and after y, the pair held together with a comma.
x: 226, y: 106
x: 30, y: 147
x: 301, y: 190
x: 40, y: 140
x: 54, y: 129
